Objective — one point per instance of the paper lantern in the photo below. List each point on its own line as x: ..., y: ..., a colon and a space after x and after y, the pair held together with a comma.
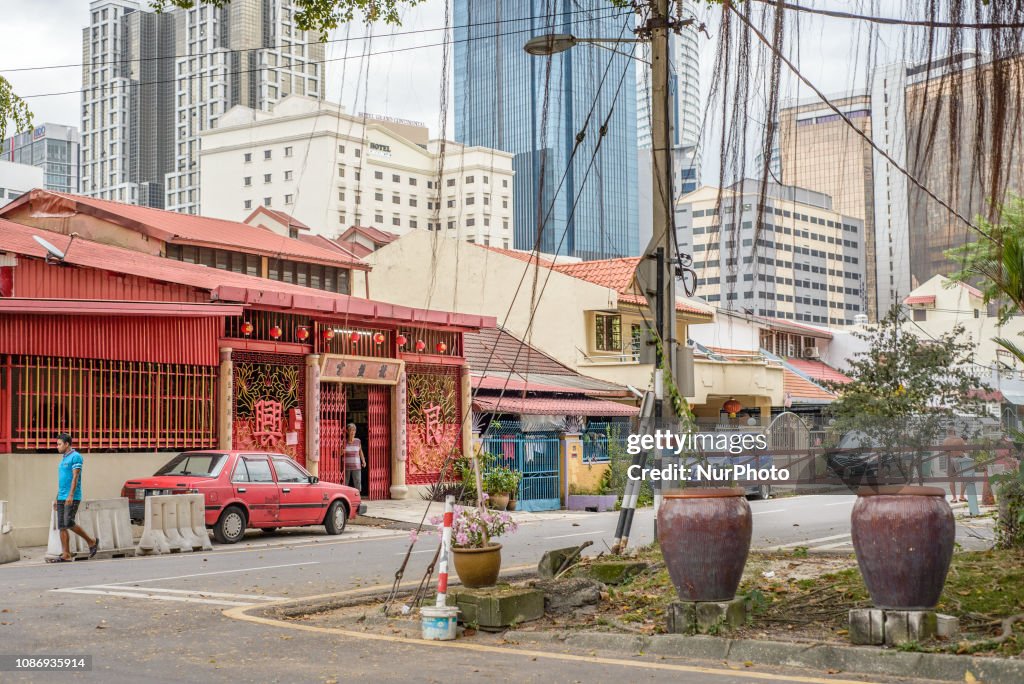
x: 401, y: 340
x: 328, y: 334
x: 441, y: 347
x: 420, y: 345
x: 247, y: 328
x: 302, y: 334
x: 732, y: 407
x: 275, y: 331
x: 379, y: 338
x: 353, y: 337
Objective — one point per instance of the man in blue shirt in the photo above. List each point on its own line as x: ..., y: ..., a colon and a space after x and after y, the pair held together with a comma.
x: 69, y: 496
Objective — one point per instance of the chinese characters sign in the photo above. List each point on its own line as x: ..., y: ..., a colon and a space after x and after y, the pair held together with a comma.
x: 356, y: 369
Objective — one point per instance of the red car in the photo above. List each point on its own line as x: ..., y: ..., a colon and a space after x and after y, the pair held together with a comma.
x: 248, y: 490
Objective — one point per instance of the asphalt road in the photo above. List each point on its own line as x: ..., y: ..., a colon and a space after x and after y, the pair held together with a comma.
x: 163, y: 616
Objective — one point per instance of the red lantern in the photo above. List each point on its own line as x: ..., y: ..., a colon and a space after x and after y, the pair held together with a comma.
x: 420, y: 345
x: 379, y: 338
x: 441, y: 347
x: 302, y: 334
x: 275, y: 331
x: 247, y: 328
x: 328, y: 334
x: 353, y: 337
x: 732, y: 407
x: 401, y: 340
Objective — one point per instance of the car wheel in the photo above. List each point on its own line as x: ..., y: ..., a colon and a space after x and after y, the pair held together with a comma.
x: 337, y: 518
x: 230, y: 526
x: 764, y: 492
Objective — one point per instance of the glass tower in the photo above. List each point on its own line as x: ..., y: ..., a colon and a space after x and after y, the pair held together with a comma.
x: 535, y: 107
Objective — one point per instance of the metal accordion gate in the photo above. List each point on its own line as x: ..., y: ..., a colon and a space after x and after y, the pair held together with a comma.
x: 333, y: 405
x: 378, y: 451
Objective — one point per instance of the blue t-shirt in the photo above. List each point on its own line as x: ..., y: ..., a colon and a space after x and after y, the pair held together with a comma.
x: 71, y: 462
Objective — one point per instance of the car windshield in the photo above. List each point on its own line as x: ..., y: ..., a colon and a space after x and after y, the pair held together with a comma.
x: 194, y: 465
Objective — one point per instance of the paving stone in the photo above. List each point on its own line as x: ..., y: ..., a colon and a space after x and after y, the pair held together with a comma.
x: 867, y: 626
x: 903, y: 626
x: 947, y: 627
x: 706, y: 617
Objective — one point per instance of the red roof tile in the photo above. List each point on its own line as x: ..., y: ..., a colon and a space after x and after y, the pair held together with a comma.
x: 529, y: 257
x: 380, y: 237
x: 614, y: 273
x: 552, y: 406
x: 640, y: 300
x: 224, y: 286
x: 818, y: 371
x: 802, y: 391
x: 328, y: 244
x: 920, y: 299
x: 286, y: 219
x: 354, y: 247
x: 175, y: 228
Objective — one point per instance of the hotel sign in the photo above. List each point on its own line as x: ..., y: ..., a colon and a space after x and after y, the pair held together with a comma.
x: 380, y: 150
x: 358, y: 369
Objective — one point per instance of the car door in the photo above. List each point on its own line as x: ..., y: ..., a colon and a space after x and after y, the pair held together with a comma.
x: 253, y: 483
x: 301, y: 502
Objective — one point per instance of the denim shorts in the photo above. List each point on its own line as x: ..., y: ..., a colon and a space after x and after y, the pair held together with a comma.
x: 66, y: 514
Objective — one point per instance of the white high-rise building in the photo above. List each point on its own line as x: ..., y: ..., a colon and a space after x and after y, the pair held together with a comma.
x: 152, y: 83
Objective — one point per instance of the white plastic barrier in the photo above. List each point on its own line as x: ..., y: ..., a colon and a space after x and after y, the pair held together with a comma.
x: 106, y: 520
x: 8, y: 549
x: 174, y: 522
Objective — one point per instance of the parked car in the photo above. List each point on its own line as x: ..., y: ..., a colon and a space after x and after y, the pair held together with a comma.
x: 248, y: 490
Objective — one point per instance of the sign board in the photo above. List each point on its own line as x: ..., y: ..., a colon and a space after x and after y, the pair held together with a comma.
x: 359, y: 369
x: 380, y: 150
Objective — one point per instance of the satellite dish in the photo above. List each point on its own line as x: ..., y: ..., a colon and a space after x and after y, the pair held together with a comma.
x: 54, y: 253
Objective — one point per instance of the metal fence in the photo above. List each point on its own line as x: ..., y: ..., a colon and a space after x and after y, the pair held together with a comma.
x: 536, y: 457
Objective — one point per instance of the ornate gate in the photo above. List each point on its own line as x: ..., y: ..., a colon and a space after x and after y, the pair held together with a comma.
x: 434, y: 428
x: 332, y: 430
x: 267, y: 388
x: 378, y: 454
x: 789, y: 443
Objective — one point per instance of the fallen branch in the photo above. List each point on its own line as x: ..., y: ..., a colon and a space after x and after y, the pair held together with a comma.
x: 986, y: 644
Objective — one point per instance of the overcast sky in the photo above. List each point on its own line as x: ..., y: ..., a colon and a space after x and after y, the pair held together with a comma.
x: 400, y: 84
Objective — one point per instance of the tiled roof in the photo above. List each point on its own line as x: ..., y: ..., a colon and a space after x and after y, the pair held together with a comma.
x: 282, y: 217
x: 801, y: 391
x: 354, y: 247
x: 920, y: 299
x: 328, y: 244
x: 817, y: 370
x: 187, y: 229
x: 529, y: 257
x: 685, y: 306
x: 783, y: 324
x: 381, y: 237
x: 614, y: 273
x: 552, y: 406
x: 225, y: 286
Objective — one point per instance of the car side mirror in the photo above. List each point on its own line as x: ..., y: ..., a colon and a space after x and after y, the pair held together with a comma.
x: 313, y: 479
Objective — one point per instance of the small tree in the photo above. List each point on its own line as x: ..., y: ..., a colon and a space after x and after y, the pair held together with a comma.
x: 903, y: 389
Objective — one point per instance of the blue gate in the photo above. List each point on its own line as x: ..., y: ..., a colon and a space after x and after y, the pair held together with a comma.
x: 536, y: 457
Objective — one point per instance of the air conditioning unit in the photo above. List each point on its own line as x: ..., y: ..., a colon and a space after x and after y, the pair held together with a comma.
x: 811, y: 353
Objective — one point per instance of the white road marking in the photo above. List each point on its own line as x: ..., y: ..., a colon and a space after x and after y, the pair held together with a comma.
x: 218, y: 572
x: 192, y: 592
x: 848, y: 542
x: 577, y: 534
x: 807, y: 542
x: 158, y: 597
x: 774, y: 510
x: 842, y: 503
x: 402, y: 553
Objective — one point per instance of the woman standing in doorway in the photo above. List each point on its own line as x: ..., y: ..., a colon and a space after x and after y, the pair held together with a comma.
x: 355, y: 461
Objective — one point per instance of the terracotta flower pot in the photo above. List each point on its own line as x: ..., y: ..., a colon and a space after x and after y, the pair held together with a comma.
x: 478, y: 567
x: 498, y: 502
x: 903, y: 537
x: 705, y: 538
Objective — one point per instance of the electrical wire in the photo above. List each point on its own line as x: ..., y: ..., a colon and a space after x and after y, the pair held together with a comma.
x: 891, y: 21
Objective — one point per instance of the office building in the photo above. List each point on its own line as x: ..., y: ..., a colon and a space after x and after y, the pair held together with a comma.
x: 153, y: 82
x: 804, y: 262
x: 51, y: 147
x: 534, y: 107
x: 332, y: 170
x: 17, y: 179
x: 819, y: 151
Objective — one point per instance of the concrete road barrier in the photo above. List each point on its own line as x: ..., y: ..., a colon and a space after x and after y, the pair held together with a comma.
x: 174, y: 523
x: 8, y: 548
x: 105, y: 520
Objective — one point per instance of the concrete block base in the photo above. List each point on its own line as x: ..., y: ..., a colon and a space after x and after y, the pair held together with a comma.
x: 876, y: 626
x: 615, y: 572
x: 707, y: 617
x: 552, y: 560
x: 8, y: 549
x: 495, y: 608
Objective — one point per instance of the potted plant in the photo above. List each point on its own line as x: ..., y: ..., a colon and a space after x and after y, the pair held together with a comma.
x: 477, y: 556
x: 499, y: 483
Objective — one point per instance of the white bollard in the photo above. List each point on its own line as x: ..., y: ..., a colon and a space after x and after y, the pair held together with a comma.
x: 8, y: 549
x: 153, y: 539
x: 173, y: 523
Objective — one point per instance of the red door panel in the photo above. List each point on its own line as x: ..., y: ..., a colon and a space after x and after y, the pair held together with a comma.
x: 258, y: 490
x: 301, y: 502
x: 378, y: 451
x: 332, y: 430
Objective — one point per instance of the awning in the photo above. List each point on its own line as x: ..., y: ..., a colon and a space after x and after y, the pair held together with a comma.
x: 94, y: 307
x: 1013, y: 397
x: 538, y: 382
x: 551, y: 406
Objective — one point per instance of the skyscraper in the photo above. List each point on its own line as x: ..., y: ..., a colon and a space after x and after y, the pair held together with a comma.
x: 535, y: 107
x: 151, y: 83
x: 53, y: 148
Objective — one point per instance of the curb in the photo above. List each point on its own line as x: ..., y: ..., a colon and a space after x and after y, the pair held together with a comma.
x: 814, y: 656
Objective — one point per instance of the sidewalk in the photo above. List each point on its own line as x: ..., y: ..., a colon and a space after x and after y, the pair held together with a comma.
x: 411, y: 511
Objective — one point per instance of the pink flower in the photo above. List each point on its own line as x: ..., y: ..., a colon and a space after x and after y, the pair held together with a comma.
x: 413, y: 536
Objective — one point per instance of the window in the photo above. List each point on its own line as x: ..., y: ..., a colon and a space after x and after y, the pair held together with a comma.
x: 412, y: 181
x: 608, y: 332
x: 470, y: 222
x: 248, y: 204
x: 451, y: 182
x: 920, y: 315
x: 395, y: 199
x: 258, y: 469
x: 396, y: 221
x: 288, y: 199
x: 469, y: 179
x: 378, y: 196
x: 378, y: 175
x: 287, y: 151
x: 241, y: 473
x: 504, y: 182
x: 451, y: 204
x: 378, y: 218
x: 266, y: 154
x: 287, y: 175
x: 247, y: 181
x: 266, y: 201
x: 248, y: 157
x: 395, y: 178
x: 289, y: 472
x: 412, y: 201
x: 470, y: 200
x: 266, y: 178
x: 341, y: 149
